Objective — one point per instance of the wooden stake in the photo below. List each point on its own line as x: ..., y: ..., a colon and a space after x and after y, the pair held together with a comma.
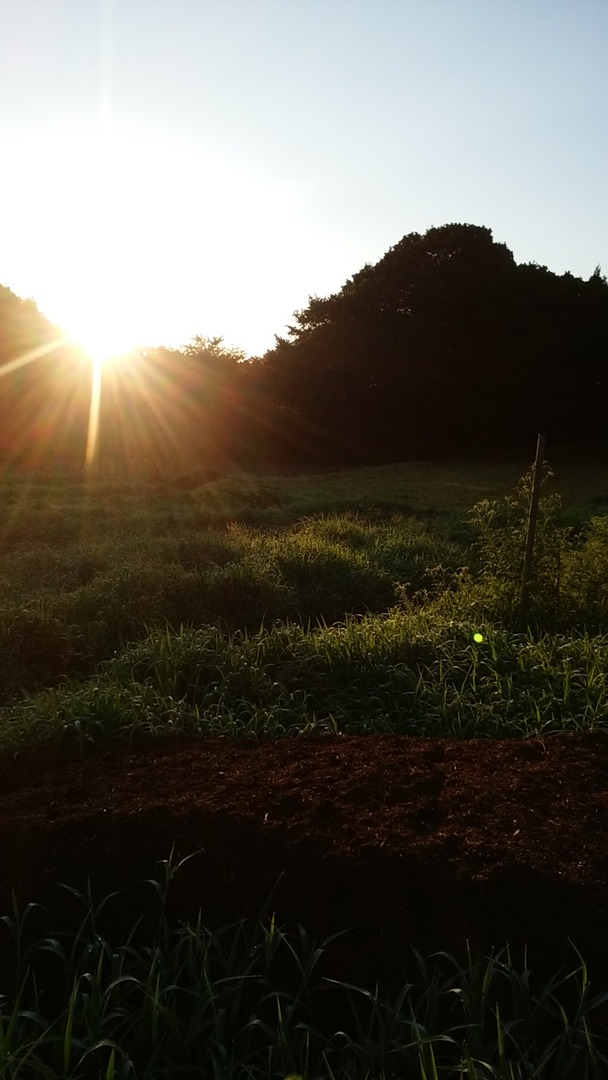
x: 524, y: 600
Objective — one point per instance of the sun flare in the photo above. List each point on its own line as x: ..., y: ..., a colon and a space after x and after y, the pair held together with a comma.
x: 104, y: 348
x: 93, y: 429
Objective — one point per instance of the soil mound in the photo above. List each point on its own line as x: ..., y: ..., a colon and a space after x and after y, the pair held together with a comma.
x: 398, y: 840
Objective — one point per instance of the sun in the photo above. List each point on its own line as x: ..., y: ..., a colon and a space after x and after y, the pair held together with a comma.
x: 140, y: 236
x: 100, y: 318
x: 104, y: 346
x: 96, y: 246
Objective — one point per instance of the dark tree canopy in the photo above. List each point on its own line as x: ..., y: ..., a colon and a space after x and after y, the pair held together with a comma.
x: 44, y: 389
x: 170, y: 407
x: 445, y: 347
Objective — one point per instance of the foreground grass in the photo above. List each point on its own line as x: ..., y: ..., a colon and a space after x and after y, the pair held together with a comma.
x: 65, y: 610
x: 404, y: 674
x: 334, y: 622
x: 250, y: 1001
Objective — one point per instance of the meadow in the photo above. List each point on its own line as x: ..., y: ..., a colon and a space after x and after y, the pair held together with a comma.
x: 278, y: 609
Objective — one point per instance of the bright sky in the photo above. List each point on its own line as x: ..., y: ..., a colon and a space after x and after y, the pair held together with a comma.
x: 179, y: 167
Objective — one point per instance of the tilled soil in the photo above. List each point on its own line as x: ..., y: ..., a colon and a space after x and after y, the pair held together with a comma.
x: 399, y: 840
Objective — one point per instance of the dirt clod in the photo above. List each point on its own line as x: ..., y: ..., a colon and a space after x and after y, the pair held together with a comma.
x: 431, y: 842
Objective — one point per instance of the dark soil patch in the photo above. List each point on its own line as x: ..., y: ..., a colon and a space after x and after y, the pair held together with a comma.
x: 431, y: 842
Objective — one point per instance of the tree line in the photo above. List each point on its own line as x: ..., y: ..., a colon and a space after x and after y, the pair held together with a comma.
x: 444, y: 347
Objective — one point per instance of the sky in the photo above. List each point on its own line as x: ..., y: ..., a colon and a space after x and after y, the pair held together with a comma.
x: 171, y: 168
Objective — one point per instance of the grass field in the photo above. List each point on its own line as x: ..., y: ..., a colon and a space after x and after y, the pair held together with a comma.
x: 232, y: 607
x: 380, y: 600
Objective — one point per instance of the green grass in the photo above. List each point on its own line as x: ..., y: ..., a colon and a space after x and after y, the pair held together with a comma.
x: 331, y: 622
x: 67, y: 608
x: 423, y: 487
x: 41, y: 509
x: 401, y: 673
x: 250, y: 1001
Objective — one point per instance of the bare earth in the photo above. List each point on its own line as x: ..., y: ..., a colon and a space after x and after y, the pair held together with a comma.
x: 400, y: 840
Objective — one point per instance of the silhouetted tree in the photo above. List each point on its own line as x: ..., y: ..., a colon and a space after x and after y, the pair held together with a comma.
x: 173, y: 408
x: 445, y: 345
x: 44, y: 389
